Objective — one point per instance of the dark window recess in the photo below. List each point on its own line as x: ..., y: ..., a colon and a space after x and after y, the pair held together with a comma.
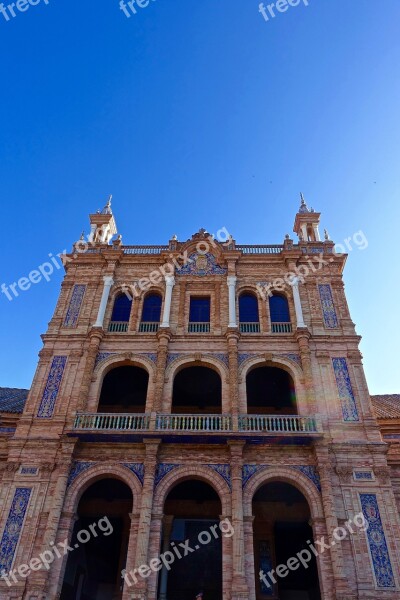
x: 279, y: 309
x: 122, y: 309
x: 248, y: 309
x: 199, y: 310
x: 151, y: 309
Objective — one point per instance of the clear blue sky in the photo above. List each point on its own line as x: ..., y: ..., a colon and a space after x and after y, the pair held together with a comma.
x: 200, y: 114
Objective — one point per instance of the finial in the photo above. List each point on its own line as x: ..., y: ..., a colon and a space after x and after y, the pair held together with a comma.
x: 82, y: 236
x: 107, y: 209
x: 326, y: 235
x: 303, y: 207
x: 175, y: 237
x: 287, y: 237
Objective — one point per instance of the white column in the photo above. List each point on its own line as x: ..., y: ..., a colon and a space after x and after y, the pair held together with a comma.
x: 231, y: 282
x: 297, y: 303
x: 169, y: 283
x: 316, y: 232
x: 108, y: 283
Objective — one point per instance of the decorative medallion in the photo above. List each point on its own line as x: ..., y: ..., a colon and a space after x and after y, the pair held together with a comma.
x: 201, y: 265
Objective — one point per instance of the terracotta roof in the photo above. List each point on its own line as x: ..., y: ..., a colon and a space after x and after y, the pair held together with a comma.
x: 387, y: 406
x: 12, y: 400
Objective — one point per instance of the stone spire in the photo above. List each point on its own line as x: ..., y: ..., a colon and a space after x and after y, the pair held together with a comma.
x: 306, y: 223
x: 102, y: 225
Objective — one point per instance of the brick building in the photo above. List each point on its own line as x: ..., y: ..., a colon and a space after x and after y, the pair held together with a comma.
x: 196, y: 387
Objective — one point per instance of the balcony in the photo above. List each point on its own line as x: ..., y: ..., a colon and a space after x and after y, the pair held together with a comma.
x: 118, y: 327
x: 254, y: 426
x: 249, y: 327
x: 278, y: 424
x: 112, y: 422
x: 148, y: 327
x: 281, y: 328
x: 194, y: 423
x: 199, y: 328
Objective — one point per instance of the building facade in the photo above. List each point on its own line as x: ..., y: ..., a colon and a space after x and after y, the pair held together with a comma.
x: 204, y: 401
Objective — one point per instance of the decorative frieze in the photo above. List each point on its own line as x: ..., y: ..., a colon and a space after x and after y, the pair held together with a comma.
x: 345, y: 389
x: 137, y: 469
x: 52, y: 388
x: 75, y: 304
x: 13, y: 527
x: 377, y: 542
x: 201, y: 265
x: 328, y: 308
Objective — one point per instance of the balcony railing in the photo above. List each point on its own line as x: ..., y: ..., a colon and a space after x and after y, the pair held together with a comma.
x: 269, y: 249
x: 251, y: 424
x: 199, y: 328
x: 144, y: 249
x: 194, y: 423
x: 278, y: 424
x: 118, y: 327
x: 112, y: 422
x: 250, y: 327
x: 281, y: 328
x: 148, y: 327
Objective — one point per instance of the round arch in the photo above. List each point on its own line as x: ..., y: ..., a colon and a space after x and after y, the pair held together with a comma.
x: 279, y: 362
x: 112, y: 362
x: 187, y: 472
x: 286, y: 475
x: 100, y: 471
x: 195, y: 360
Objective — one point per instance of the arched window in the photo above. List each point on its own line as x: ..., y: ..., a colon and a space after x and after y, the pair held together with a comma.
x: 248, y: 314
x: 280, y: 316
x: 151, y: 313
x: 121, y: 314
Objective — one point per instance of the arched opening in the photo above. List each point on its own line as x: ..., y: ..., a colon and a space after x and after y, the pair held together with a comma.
x: 151, y: 313
x: 192, y: 510
x: 281, y: 530
x: 197, y: 390
x: 248, y: 313
x: 279, y: 314
x: 99, y: 542
x: 124, y: 390
x: 121, y: 314
x: 270, y: 391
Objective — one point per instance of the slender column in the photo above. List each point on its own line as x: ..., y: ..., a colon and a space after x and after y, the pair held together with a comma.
x: 231, y: 282
x: 326, y: 473
x: 249, y: 556
x: 96, y: 335
x: 233, y: 338
x: 143, y: 536
x: 297, y: 303
x: 108, y: 283
x: 239, y: 584
x: 169, y: 286
x: 162, y: 357
x: 167, y: 529
x: 130, y: 557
